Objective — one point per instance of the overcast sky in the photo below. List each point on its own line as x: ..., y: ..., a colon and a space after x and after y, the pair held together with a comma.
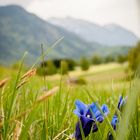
x: 122, y: 12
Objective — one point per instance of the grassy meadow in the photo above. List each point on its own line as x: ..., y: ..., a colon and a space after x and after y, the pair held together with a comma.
x: 41, y: 108
x: 70, y: 71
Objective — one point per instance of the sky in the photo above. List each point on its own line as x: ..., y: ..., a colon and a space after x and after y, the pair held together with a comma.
x: 122, y: 12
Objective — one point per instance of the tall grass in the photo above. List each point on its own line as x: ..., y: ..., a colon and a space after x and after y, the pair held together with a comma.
x: 53, y: 117
x: 28, y: 112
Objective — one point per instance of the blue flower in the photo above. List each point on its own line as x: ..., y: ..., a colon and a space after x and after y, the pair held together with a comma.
x: 114, y: 122
x: 120, y: 106
x: 86, y: 124
x: 105, y: 109
x: 81, y: 108
x: 121, y: 102
x: 88, y: 116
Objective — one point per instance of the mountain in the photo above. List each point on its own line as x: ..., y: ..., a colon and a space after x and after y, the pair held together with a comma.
x: 22, y: 31
x: 110, y: 35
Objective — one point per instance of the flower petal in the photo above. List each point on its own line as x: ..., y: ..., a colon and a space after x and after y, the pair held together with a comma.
x: 86, y: 126
x: 114, y: 121
x: 105, y: 109
x: 81, y: 108
x: 122, y: 102
x: 95, y: 112
x: 76, y: 112
x: 94, y: 108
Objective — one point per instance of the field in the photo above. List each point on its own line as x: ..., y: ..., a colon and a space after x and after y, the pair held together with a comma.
x: 40, y: 108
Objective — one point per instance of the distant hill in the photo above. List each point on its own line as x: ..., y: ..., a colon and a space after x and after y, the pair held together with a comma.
x: 22, y: 31
x: 110, y: 35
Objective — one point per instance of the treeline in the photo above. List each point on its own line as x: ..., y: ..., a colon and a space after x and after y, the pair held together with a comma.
x: 51, y: 67
x: 63, y: 66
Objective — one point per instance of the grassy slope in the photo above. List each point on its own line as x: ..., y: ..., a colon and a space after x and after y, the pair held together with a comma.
x: 97, y: 74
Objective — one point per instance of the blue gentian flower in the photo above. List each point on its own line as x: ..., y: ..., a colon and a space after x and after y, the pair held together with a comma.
x: 122, y: 102
x: 88, y: 116
x: 114, y: 122
x: 81, y: 108
x: 115, y: 119
x: 120, y: 106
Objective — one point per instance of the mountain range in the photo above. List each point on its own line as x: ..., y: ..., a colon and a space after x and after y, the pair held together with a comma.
x: 22, y: 31
x: 109, y: 35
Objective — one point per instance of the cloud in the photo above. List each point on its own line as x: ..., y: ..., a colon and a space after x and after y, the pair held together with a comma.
x: 23, y: 3
x: 18, y: 2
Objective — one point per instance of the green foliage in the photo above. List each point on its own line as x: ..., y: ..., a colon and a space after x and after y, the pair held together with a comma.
x: 51, y: 69
x: 134, y: 57
x: 77, y: 81
x: 109, y: 58
x: 97, y: 59
x: 122, y: 58
x: 41, y: 71
x: 46, y: 68
x: 64, y: 67
x: 81, y: 81
x: 84, y: 63
x: 71, y: 63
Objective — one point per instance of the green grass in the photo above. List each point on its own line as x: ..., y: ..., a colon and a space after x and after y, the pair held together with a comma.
x: 53, y: 118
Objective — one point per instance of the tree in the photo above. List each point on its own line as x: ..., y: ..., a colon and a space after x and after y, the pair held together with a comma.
x: 41, y: 71
x: 134, y: 57
x: 51, y: 69
x: 122, y: 58
x: 64, y: 67
x: 71, y: 63
x: 109, y: 58
x: 47, y: 68
x: 84, y: 64
x: 97, y: 59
